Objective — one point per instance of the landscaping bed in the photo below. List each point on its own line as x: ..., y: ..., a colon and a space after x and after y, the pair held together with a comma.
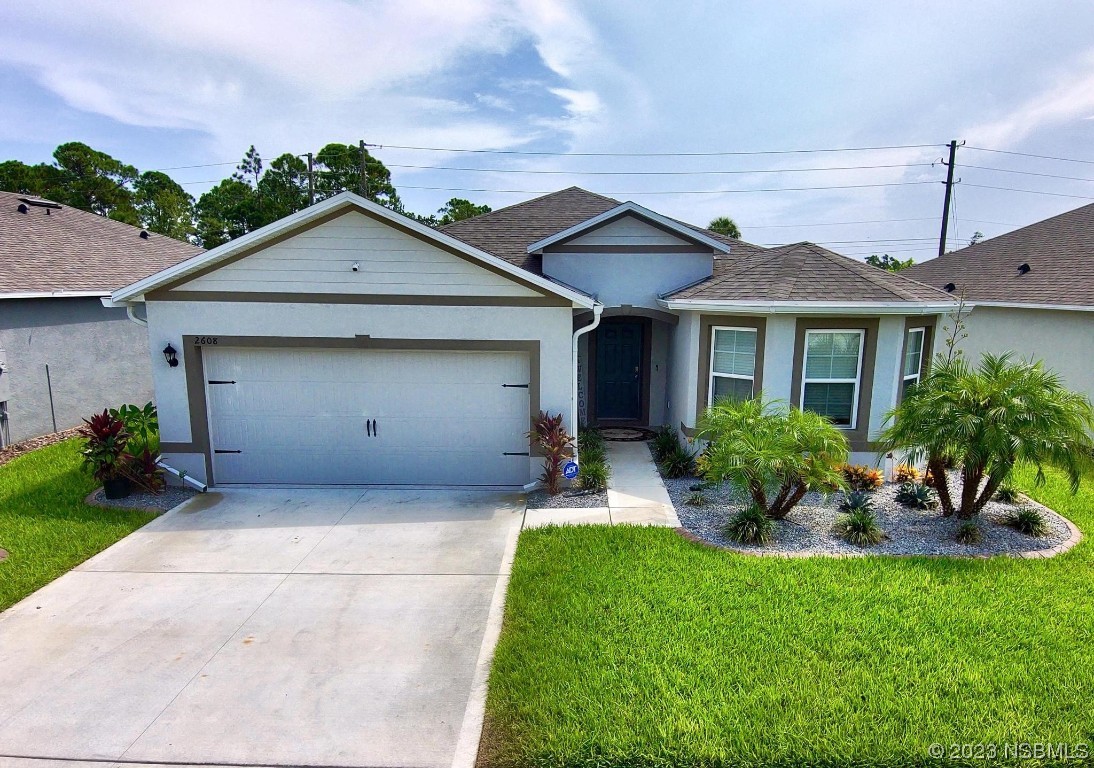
x: 569, y: 498
x: 169, y: 498
x: 810, y: 526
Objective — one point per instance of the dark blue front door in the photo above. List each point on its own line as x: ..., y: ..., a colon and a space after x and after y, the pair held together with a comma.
x: 619, y: 370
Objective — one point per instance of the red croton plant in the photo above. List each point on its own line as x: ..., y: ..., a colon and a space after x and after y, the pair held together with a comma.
x: 555, y: 443
x: 111, y: 453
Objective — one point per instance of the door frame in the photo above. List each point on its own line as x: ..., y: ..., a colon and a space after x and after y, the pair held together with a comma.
x: 644, y: 373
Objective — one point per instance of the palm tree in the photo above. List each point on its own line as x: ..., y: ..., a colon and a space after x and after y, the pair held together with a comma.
x: 724, y: 225
x: 769, y: 448
x: 987, y: 419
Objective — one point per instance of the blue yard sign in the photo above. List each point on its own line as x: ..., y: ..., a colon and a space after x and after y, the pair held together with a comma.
x: 569, y: 470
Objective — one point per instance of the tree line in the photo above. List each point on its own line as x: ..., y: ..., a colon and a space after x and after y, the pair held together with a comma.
x: 254, y: 195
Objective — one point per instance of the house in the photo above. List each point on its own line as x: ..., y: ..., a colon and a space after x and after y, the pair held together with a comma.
x: 62, y: 354
x: 348, y: 344
x: 1032, y: 292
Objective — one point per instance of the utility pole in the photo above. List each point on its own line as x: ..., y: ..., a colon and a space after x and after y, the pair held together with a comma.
x: 949, y: 194
x: 311, y: 181
x: 363, y: 172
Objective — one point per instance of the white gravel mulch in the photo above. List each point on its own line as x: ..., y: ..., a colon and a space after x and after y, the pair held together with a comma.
x: 570, y: 498
x: 809, y: 526
x: 170, y: 498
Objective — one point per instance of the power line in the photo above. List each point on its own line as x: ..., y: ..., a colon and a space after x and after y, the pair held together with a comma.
x: 1027, y: 154
x: 658, y: 173
x: 676, y: 192
x: 1030, y: 191
x: 1028, y: 173
x: 650, y: 154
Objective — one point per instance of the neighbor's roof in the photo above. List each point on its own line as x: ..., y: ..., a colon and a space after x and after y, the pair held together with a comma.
x: 804, y: 272
x: 507, y: 232
x: 63, y: 250
x: 1059, y: 252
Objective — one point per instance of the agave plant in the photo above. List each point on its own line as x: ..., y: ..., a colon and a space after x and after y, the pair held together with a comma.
x: 988, y: 419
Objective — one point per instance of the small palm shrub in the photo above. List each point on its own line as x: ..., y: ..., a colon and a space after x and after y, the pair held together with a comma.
x: 593, y: 475
x: 777, y: 453
x: 969, y: 533
x: 751, y: 526
x: 696, y: 499
x: 1028, y: 520
x: 664, y: 442
x: 859, y: 477
x: 856, y: 501
x: 859, y: 528
x: 1007, y: 494
x: 555, y: 442
x: 986, y: 419
x: 916, y: 496
x: 905, y: 473
x: 679, y: 462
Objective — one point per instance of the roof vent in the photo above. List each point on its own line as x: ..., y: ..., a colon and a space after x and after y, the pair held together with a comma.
x: 144, y: 234
x: 949, y: 287
x: 22, y: 208
x: 1023, y: 268
x: 39, y: 202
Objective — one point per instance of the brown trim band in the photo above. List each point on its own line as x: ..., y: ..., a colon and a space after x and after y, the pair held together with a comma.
x: 195, y: 372
x: 360, y: 298
x: 635, y: 249
x: 707, y: 323
x: 859, y: 436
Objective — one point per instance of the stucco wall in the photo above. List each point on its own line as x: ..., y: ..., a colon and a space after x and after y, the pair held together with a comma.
x: 627, y: 278
x: 1063, y: 340
x: 683, y: 371
x: 169, y: 321
x: 97, y: 358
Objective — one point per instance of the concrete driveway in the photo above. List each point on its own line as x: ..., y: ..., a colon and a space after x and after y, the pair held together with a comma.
x: 270, y: 627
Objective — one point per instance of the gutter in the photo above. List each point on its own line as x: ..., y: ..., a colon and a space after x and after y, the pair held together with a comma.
x: 598, y: 309
x: 55, y: 295
x: 814, y: 307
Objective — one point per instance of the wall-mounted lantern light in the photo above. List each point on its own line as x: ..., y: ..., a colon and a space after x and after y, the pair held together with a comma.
x: 171, y: 356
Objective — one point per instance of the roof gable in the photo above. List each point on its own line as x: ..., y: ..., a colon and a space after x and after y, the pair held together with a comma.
x: 326, y: 211
x: 635, y: 212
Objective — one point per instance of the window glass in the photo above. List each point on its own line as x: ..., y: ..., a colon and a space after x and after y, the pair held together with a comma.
x: 831, y: 374
x: 836, y: 401
x: 738, y: 389
x: 732, y: 363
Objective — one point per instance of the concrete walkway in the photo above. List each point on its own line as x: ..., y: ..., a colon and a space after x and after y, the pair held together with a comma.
x: 636, y: 495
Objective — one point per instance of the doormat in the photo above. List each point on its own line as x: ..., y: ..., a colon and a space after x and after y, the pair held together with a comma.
x: 626, y: 434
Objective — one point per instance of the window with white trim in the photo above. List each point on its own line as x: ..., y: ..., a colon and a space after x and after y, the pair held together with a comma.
x: 912, y: 370
x: 832, y: 374
x: 732, y: 364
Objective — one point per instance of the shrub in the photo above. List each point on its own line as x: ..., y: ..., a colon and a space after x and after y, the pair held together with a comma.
x: 104, y: 452
x: 859, y: 528
x: 905, y: 473
x: 555, y: 443
x: 856, y: 501
x: 664, y: 442
x: 1028, y: 520
x: 766, y: 447
x: 987, y: 419
x: 592, y: 475
x: 696, y: 499
x: 859, y: 477
x: 969, y: 533
x: 1007, y: 494
x: 143, y: 448
x: 751, y: 526
x: 679, y: 462
x: 916, y: 496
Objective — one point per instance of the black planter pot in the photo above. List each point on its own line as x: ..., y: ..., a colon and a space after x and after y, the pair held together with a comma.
x: 118, y: 488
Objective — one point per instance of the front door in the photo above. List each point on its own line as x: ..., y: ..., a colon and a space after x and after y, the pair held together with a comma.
x: 619, y: 371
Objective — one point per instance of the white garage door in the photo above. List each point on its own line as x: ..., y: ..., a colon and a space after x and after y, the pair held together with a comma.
x: 349, y: 417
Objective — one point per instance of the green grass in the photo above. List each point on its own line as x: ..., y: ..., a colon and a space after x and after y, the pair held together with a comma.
x: 630, y: 646
x: 44, y: 524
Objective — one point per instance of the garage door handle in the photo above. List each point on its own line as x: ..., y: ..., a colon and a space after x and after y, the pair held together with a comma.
x: 217, y: 450
x: 515, y: 386
x: 375, y: 432
x: 368, y: 427
x: 519, y: 453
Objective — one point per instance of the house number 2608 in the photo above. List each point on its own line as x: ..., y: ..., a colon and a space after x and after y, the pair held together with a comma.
x: 206, y: 340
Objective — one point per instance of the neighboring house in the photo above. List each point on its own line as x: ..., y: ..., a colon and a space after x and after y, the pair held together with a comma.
x: 348, y: 344
x: 1031, y: 292
x: 62, y: 354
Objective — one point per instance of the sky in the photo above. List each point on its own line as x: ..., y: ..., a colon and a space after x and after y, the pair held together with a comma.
x: 689, y: 108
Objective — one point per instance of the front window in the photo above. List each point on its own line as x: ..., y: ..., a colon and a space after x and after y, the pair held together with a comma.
x: 831, y: 376
x: 913, y: 359
x: 732, y: 364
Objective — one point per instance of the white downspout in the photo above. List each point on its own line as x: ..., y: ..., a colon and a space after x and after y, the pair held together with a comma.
x: 191, y: 481
x: 597, y: 310
x: 129, y: 313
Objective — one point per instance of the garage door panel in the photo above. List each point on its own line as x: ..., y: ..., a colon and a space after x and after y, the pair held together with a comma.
x: 300, y: 416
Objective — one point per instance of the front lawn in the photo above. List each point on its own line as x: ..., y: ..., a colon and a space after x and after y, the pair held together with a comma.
x: 44, y: 524
x: 631, y: 646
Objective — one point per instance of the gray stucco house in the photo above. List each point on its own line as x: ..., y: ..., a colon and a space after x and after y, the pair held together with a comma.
x: 347, y: 344
x: 63, y: 355
x: 1030, y: 292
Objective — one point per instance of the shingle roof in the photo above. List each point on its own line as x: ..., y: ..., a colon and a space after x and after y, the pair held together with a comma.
x: 1059, y: 252
x: 805, y: 272
x: 71, y: 250
x: 507, y: 232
